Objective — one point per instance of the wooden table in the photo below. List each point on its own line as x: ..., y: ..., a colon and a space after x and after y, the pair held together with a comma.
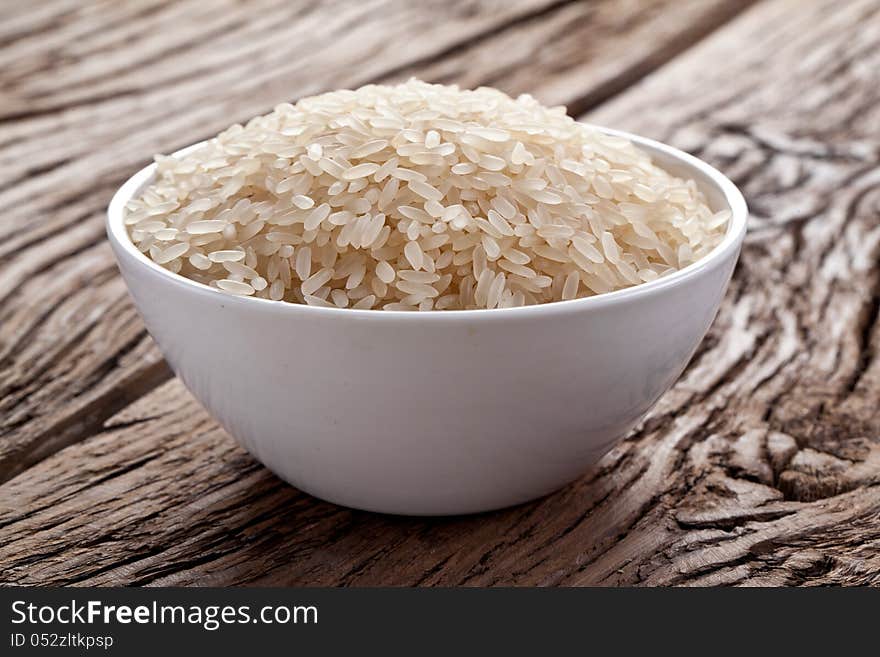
x: 761, y: 466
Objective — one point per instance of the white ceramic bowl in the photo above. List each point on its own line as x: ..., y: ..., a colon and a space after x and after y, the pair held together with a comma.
x: 434, y: 413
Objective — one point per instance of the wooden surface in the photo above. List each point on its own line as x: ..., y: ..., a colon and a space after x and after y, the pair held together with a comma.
x: 761, y: 466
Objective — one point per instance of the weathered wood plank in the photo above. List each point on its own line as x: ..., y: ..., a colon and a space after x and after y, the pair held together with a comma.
x: 590, y: 51
x: 761, y: 466
x: 93, y: 90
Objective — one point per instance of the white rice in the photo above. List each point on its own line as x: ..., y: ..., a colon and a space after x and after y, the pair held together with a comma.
x: 419, y: 197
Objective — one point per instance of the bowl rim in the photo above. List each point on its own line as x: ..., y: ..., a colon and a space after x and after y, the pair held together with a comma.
x: 730, y: 244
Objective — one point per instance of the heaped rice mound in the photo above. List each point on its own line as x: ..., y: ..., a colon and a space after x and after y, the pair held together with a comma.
x: 419, y: 197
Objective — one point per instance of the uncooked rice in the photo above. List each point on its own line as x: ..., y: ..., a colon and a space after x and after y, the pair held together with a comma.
x: 419, y: 197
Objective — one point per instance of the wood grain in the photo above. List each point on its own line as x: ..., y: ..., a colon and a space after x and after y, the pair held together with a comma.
x: 760, y: 467
x: 89, y: 91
